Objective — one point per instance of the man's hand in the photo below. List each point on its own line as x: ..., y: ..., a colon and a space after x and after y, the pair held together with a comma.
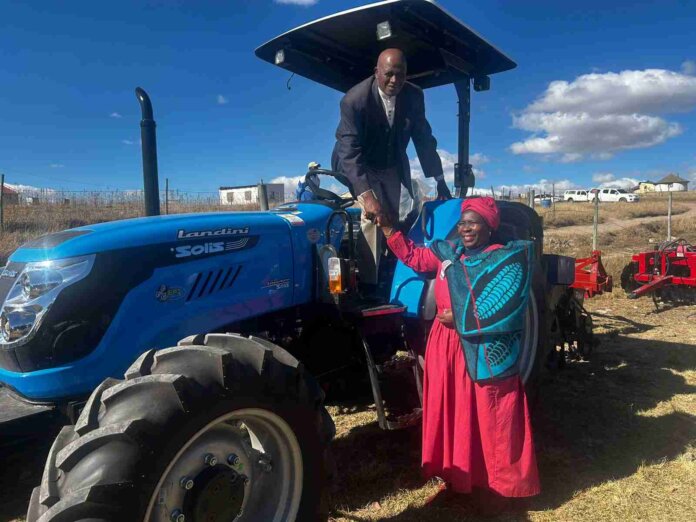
x: 443, y: 191
x: 371, y: 206
x: 446, y: 317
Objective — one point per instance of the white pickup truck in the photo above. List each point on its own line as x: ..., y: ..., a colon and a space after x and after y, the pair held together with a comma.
x: 612, y: 194
x: 576, y: 195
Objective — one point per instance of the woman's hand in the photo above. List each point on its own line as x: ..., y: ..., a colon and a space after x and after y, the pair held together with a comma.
x: 446, y: 317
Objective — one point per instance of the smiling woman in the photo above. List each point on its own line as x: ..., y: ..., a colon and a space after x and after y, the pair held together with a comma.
x: 476, y: 425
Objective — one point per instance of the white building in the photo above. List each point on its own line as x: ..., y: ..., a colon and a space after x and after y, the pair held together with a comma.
x: 249, y: 194
x: 672, y: 183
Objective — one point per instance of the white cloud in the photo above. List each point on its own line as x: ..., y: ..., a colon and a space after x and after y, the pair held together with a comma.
x: 305, y: 3
x: 598, y: 115
x: 600, y: 177
x: 479, y: 159
x: 623, y: 183
x: 688, y: 67
x: 115, y: 115
x: 127, y: 142
x: 544, y: 186
x: 57, y: 165
x: 609, y: 180
x: 448, y: 160
x: 289, y: 182
x: 221, y: 100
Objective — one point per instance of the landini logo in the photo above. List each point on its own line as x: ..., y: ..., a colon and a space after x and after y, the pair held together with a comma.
x: 220, y: 232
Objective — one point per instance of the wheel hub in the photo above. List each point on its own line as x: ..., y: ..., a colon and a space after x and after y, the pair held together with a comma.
x: 218, y: 494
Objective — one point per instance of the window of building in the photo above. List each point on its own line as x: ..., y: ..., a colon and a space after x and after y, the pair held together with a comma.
x: 247, y: 195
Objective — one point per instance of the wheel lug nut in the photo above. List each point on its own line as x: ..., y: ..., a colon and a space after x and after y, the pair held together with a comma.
x: 265, y: 463
x: 177, y: 516
x: 232, y: 459
x: 210, y: 459
x: 186, y: 483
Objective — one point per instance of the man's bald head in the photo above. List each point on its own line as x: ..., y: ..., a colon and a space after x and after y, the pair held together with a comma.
x: 391, y: 71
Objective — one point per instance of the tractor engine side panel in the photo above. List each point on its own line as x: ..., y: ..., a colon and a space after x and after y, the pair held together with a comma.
x: 151, y: 296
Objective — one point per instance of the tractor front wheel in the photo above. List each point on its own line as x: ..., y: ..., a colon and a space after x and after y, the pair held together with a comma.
x: 222, y: 427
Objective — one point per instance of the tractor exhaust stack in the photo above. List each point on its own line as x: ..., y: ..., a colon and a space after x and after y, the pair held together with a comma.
x: 149, y: 147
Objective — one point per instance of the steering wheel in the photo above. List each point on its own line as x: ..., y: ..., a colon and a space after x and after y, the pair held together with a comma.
x: 327, y: 195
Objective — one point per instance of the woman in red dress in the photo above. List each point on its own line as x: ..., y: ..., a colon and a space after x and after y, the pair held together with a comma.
x: 475, y: 435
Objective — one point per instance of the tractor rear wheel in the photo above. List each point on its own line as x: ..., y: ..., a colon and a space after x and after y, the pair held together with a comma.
x: 222, y: 427
x: 533, y: 344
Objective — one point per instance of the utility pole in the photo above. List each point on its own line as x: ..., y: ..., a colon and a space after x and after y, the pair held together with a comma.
x: 669, y: 217
x: 166, y: 196
x: 553, y: 196
x: 595, y: 224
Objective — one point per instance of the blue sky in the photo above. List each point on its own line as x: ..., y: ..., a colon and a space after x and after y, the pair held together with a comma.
x: 69, y: 118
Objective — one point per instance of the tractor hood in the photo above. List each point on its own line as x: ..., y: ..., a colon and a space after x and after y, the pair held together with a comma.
x: 173, y: 230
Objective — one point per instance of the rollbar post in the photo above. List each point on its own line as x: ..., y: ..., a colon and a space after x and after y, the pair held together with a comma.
x: 149, y: 151
x: 463, y: 171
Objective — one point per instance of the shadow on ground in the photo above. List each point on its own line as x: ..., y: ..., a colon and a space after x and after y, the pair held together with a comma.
x: 23, y: 452
x: 589, y: 421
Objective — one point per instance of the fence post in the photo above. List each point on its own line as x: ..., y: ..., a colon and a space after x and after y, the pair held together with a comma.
x: 166, y: 196
x: 595, y: 224
x: 2, y: 196
x: 669, y: 217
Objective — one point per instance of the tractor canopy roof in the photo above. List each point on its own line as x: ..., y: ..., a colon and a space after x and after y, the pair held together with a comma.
x: 341, y: 50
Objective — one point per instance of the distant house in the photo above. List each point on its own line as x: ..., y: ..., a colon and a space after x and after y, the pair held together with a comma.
x: 644, y: 187
x: 249, y: 194
x: 9, y: 196
x: 672, y: 183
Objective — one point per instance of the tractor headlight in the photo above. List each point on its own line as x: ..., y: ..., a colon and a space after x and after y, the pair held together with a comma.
x: 33, y: 293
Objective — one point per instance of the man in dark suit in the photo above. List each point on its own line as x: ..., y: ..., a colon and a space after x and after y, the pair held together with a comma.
x: 378, y: 118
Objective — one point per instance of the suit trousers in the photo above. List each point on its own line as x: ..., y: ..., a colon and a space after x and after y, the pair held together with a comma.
x: 386, y: 184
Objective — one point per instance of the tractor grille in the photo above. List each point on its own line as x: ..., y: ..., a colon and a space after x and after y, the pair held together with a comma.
x: 213, y: 281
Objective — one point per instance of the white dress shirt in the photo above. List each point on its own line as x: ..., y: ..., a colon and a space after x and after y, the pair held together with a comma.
x: 389, y: 104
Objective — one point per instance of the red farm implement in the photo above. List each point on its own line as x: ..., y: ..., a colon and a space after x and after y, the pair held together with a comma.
x: 573, y: 323
x: 591, y: 276
x: 667, y: 273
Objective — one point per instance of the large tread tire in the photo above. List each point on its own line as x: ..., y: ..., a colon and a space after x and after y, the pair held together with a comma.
x: 106, y: 467
x: 542, y: 328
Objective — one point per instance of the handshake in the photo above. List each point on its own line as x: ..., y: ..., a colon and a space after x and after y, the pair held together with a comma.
x: 373, y: 211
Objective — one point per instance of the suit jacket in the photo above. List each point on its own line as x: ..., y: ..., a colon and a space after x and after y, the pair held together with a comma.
x: 364, y: 122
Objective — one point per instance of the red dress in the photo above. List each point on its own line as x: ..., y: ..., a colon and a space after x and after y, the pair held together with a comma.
x: 474, y: 435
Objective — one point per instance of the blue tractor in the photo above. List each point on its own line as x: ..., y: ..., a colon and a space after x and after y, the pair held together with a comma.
x: 192, y: 352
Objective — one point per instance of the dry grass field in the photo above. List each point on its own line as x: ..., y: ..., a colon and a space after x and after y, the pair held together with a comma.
x: 615, y: 435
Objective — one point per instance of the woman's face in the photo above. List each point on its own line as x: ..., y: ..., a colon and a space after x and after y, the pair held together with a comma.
x: 473, y: 230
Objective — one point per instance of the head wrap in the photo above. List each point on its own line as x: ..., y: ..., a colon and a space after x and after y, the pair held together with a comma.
x: 484, y: 207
